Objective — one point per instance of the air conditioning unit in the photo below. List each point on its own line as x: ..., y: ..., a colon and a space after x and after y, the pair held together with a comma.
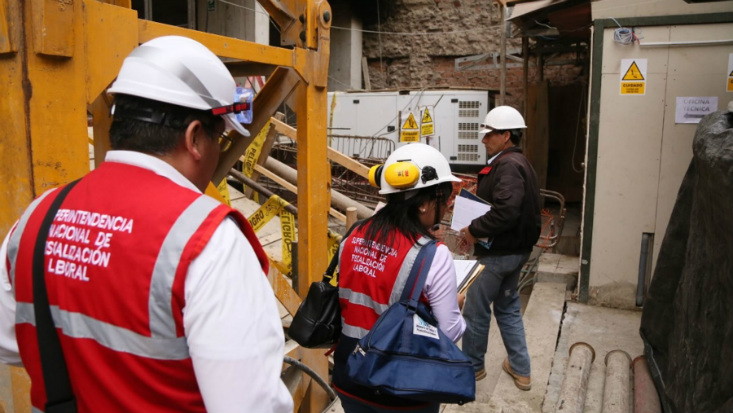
x: 370, y: 125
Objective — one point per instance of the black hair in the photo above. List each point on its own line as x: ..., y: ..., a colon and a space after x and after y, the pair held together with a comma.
x: 515, y: 135
x: 153, y: 127
x: 402, y: 215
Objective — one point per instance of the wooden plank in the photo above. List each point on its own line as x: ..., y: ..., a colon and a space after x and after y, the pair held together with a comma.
x: 282, y: 287
x: 292, y: 188
x: 334, y: 155
x: 536, y: 140
x: 365, y: 73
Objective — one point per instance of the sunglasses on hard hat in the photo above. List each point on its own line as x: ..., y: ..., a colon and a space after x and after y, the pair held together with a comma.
x: 233, y: 108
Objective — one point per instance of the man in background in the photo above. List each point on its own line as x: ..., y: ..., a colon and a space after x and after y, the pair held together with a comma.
x: 503, y: 239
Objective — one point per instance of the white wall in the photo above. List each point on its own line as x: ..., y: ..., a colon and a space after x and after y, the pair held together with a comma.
x: 245, y: 20
x: 642, y: 153
x: 605, y: 9
x: 344, y: 71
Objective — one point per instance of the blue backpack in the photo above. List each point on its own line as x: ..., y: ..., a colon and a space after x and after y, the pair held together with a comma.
x: 406, y: 355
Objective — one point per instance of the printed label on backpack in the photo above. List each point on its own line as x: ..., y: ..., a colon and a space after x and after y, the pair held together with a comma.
x: 421, y: 327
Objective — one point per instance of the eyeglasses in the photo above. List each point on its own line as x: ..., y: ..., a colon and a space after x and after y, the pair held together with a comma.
x: 225, y: 141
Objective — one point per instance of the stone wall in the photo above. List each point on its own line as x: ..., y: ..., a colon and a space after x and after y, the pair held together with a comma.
x: 461, y: 28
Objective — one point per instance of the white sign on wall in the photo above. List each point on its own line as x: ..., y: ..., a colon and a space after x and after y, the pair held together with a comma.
x: 633, y: 76
x: 691, y: 109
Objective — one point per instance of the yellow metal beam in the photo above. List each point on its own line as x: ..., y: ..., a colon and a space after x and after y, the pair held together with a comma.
x: 223, y: 46
x: 314, y: 186
x: 105, y: 52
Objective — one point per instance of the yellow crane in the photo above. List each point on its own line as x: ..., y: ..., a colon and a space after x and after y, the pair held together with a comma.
x: 57, y: 57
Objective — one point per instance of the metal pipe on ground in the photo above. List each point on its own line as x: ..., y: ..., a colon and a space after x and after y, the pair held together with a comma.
x: 259, y: 188
x: 617, y: 387
x: 575, y: 382
x: 646, y: 398
x: 339, y: 200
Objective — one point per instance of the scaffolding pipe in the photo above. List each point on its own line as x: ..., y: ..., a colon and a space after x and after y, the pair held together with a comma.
x: 646, y: 398
x: 259, y: 188
x: 617, y: 387
x: 338, y: 199
x: 575, y: 382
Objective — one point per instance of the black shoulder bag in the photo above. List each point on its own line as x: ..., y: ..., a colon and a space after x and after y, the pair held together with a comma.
x: 59, y: 395
x: 317, y: 323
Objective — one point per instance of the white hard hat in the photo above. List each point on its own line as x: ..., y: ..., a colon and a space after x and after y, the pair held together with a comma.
x: 412, y: 166
x: 183, y: 72
x: 502, y: 118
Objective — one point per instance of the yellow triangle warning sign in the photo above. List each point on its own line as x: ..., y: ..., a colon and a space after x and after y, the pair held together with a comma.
x: 633, y: 73
x: 426, y: 118
x: 410, y: 123
x: 731, y: 74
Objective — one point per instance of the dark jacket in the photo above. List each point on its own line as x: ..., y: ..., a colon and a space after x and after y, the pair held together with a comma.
x: 514, y: 221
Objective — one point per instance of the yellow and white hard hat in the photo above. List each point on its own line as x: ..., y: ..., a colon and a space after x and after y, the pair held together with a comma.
x: 409, y: 167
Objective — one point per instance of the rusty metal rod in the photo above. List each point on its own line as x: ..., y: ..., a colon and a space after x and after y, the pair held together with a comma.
x: 259, y: 188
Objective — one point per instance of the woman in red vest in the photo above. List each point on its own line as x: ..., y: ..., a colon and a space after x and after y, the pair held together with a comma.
x: 377, y: 257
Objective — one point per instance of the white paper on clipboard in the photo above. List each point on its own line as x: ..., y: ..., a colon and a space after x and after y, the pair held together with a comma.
x: 466, y: 210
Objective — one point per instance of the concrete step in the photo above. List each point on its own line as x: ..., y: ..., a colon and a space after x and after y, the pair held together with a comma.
x: 558, y: 268
x: 542, y: 319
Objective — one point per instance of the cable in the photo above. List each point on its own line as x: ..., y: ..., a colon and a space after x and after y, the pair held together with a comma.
x: 623, y: 35
x: 253, y: 10
x: 313, y: 374
x: 545, y: 25
x: 581, y: 105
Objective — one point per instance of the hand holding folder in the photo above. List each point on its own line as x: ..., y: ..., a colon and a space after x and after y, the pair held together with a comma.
x: 466, y: 208
x: 466, y: 273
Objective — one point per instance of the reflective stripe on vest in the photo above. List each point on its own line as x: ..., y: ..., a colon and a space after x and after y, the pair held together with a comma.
x: 162, y: 323
x: 14, y: 241
x: 366, y: 301
x: 77, y: 325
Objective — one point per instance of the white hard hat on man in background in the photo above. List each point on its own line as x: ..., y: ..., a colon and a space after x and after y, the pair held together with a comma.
x: 502, y: 118
x: 183, y: 72
x: 409, y: 167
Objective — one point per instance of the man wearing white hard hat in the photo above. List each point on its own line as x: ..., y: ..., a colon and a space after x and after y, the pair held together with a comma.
x: 158, y: 292
x: 503, y: 239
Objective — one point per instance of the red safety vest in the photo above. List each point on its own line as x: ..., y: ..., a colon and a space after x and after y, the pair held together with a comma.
x: 116, y: 260
x: 371, y: 278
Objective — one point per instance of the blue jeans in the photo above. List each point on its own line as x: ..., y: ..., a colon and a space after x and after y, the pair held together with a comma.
x: 497, y: 284
x: 352, y: 405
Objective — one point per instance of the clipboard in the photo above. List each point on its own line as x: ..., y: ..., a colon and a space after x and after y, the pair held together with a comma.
x: 467, y: 271
x: 466, y: 208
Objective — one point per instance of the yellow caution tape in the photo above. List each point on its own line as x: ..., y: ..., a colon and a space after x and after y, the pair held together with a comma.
x: 287, y: 227
x: 266, y: 211
x: 334, y: 240
x: 223, y: 189
x: 252, y: 154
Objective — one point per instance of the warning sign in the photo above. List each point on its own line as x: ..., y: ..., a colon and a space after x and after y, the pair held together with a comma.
x: 729, y: 84
x: 410, y: 131
x: 427, y: 126
x: 633, y: 73
x: 633, y: 76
